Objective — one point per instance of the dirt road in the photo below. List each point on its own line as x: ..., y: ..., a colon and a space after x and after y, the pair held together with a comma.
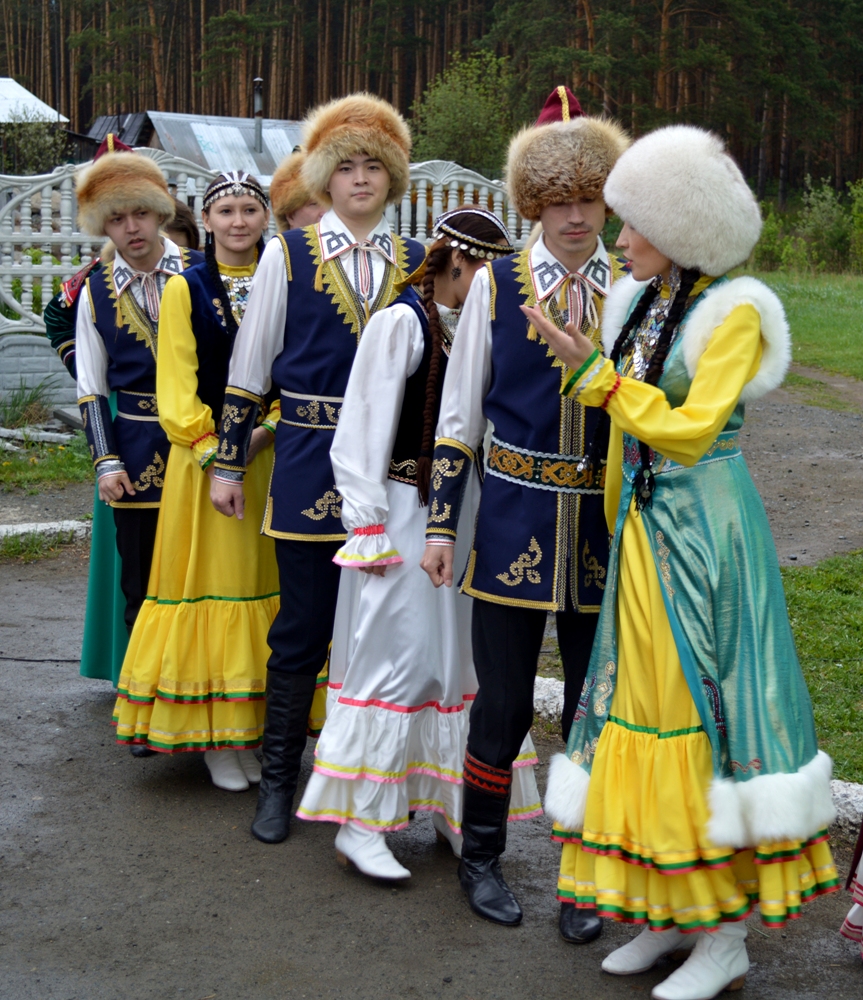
x: 125, y: 879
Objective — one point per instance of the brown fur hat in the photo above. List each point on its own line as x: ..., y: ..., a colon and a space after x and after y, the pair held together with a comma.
x: 555, y: 164
x: 359, y: 123
x: 287, y: 190
x: 120, y: 182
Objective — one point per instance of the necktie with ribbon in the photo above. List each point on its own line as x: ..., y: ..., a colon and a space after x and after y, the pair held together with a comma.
x: 576, y: 302
x: 150, y: 292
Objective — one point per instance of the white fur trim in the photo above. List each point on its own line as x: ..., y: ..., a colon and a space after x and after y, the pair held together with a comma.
x: 772, y: 807
x: 616, y: 307
x: 679, y: 189
x: 716, y: 306
x: 566, y: 794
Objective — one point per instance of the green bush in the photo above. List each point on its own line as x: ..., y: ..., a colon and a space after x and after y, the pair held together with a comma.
x: 768, y: 250
x: 793, y: 254
x: 460, y: 116
x: 825, y: 226
x: 30, y: 145
x: 855, y: 192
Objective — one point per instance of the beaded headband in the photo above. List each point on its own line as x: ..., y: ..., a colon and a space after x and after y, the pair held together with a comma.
x: 470, y: 244
x: 236, y: 183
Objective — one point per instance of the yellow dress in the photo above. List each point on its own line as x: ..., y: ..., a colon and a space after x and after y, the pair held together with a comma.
x: 644, y: 856
x: 194, y: 675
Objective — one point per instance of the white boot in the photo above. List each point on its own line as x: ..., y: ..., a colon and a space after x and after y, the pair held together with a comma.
x: 445, y: 835
x: 718, y: 962
x: 368, y: 851
x: 644, y: 951
x: 225, y: 770
x: 250, y: 765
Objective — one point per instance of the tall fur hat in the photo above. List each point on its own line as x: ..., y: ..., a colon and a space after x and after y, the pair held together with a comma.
x: 359, y: 123
x: 120, y: 182
x: 555, y: 164
x: 679, y: 188
x: 287, y: 190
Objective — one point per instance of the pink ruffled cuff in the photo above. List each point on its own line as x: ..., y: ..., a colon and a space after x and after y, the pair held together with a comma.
x: 367, y: 546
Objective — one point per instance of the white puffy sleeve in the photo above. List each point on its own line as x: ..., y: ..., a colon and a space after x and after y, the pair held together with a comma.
x: 390, y: 350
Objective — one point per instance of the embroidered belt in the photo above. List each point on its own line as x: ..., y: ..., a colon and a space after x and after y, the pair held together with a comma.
x: 318, y: 412
x: 541, y: 470
x: 137, y: 405
x: 726, y: 445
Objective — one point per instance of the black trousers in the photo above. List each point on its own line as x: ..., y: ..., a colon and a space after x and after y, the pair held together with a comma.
x: 309, y: 582
x: 136, y: 536
x: 506, y: 645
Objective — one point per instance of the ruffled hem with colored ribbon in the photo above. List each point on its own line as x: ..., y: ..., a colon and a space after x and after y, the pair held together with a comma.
x: 168, y: 696
x: 644, y: 856
x: 376, y: 763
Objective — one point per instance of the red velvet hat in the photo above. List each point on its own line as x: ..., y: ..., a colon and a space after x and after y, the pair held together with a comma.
x: 111, y: 144
x: 561, y: 106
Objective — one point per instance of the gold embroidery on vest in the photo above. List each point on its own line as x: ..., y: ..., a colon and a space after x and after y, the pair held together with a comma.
x: 595, y: 570
x: 334, y: 281
x: 152, y: 475
x: 524, y: 566
x: 442, y: 467
x: 310, y: 412
x: 510, y: 462
x: 329, y: 503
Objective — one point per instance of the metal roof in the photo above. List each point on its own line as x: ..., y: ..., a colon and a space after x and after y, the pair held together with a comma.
x: 16, y: 100
x: 226, y: 143
x: 134, y: 129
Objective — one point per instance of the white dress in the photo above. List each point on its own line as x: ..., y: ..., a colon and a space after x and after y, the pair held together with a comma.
x: 401, y: 671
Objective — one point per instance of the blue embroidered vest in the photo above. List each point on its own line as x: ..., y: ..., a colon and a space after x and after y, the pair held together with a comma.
x: 213, y: 341
x: 541, y: 540
x: 323, y: 325
x: 130, y: 341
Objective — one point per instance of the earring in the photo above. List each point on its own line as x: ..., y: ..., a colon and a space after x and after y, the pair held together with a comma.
x: 456, y: 273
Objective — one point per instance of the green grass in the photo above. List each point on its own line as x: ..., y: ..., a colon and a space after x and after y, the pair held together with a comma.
x: 825, y: 313
x: 38, y: 464
x: 825, y: 605
x: 29, y: 548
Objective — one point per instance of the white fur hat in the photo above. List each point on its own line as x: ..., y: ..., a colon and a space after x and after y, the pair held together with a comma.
x: 679, y: 188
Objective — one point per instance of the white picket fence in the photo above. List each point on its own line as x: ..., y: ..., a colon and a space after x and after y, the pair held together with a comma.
x: 41, y: 244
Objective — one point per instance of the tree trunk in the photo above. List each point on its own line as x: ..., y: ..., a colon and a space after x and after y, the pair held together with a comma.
x: 783, y: 154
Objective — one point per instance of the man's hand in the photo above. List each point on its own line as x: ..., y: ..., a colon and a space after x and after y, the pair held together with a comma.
x: 227, y: 498
x: 572, y: 347
x: 261, y: 438
x: 113, y: 486
x: 374, y: 570
x: 437, y: 561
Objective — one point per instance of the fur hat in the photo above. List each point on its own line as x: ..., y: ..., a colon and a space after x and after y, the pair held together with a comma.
x: 120, y: 182
x: 287, y: 190
x: 678, y: 188
x: 555, y: 164
x: 360, y: 123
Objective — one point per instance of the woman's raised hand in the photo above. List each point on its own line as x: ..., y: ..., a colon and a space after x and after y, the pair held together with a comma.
x: 572, y: 347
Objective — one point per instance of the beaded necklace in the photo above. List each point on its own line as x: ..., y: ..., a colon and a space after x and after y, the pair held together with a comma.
x: 647, y: 335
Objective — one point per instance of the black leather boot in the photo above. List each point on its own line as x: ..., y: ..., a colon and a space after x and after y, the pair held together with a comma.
x: 486, y: 804
x: 289, y: 699
x: 578, y: 926
x: 140, y: 750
